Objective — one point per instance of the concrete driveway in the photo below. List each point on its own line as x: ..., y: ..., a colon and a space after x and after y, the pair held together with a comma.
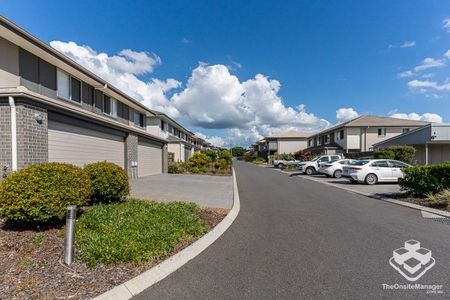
x: 204, y: 190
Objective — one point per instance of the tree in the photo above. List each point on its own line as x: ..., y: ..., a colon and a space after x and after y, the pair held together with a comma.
x: 238, y: 151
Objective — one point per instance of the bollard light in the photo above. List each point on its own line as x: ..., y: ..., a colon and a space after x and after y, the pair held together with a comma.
x: 69, y: 240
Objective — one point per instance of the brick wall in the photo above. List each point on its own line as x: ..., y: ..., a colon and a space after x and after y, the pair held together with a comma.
x: 5, y: 138
x: 32, y: 135
x: 131, y: 153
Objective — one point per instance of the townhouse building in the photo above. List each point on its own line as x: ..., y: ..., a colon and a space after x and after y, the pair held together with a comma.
x: 54, y: 110
x: 284, y: 142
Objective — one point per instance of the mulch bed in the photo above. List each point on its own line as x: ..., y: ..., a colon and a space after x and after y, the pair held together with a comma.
x: 405, y: 197
x: 31, y: 264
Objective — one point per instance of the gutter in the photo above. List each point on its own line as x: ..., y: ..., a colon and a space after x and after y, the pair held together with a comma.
x: 12, y: 105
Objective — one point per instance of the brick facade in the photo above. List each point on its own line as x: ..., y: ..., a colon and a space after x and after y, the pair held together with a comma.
x: 165, y: 159
x: 5, y: 139
x: 131, y: 153
x: 32, y: 135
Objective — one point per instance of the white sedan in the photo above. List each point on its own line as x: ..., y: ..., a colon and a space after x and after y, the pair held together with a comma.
x: 334, y: 168
x: 375, y: 170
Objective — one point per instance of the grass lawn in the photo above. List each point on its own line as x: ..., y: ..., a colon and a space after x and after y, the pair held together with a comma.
x: 114, y: 243
x: 136, y: 231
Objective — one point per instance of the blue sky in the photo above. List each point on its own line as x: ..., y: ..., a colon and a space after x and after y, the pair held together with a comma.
x: 199, y: 57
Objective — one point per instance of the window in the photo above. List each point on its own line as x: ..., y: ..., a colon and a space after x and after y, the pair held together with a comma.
x: 63, y: 82
x: 162, y: 125
x: 381, y: 164
x: 138, y: 119
x: 335, y: 157
x: 381, y: 132
x: 405, y: 130
x: 319, y: 142
x: 341, y: 134
x: 327, y: 139
x: 397, y: 164
x: 323, y: 159
x: 309, y: 143
x: 67, y: 87
x: 109, y: 106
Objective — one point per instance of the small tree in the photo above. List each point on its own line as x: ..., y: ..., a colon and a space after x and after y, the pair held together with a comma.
x: 304, y: 155
x: 238, y: 151
x: 401, y: 153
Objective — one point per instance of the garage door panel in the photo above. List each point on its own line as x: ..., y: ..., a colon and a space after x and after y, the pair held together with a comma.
x: 80, y: 146
x: 149, y: 159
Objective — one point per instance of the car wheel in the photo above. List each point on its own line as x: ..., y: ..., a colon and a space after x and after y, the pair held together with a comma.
x: 280, y: 166
x: 309, y: 171
x: 371, y: 179
x: 337, y: 174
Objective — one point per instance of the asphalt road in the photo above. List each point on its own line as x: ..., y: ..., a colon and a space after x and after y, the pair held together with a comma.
x: 299, y: 239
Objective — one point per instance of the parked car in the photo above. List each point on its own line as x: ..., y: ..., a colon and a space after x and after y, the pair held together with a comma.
x: 375, y: 170
x: 281, y: 163
x: 311, y: 167
x: 334, y: 168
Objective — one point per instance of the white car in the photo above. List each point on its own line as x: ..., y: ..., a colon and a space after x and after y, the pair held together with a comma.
x: 334, y: 168
x: 375, y: 170
x: 311, y: 167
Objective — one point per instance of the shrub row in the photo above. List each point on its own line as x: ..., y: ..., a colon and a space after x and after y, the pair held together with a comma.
x: 204, y: 162
x: 42, y: 192
x: 426, y: 179
x: 401, y: 153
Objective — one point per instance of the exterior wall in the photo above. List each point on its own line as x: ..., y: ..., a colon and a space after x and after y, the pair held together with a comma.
x: 131, y: 153
x: 439, y: 153
x: 175, y: 148
x: 5, y: 139
x: 273, y: 145
x: 373, y: 138
x: 353, y: 138
x: 9, y: 64
x: 153, y: 127
x: 340, y: 142
x: 165, y: 159
x: 291, y: 146
x: 420, y: 154
x: 32, y: 135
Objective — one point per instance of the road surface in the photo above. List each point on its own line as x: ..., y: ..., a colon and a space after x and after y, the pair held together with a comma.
x: 299, y: 239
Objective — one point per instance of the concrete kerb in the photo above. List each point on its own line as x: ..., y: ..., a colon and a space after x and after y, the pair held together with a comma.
x: 145, y: 280
x: 379, y: 197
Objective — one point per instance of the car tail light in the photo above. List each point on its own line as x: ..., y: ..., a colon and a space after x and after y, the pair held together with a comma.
x: 356, y: 169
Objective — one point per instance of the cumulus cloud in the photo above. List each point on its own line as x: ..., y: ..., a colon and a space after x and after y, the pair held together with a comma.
x: 429, y: 63
x: 446, y: 24
x: 215, y: 140
x: 123, y: 71
x: 408, y: 44
x: 426, y: 117
x: 213, y: 98
x: 345, y: 114
x: 404, y: 74
x: 447, y: 54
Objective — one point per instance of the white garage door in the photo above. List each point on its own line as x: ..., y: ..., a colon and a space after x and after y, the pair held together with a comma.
x: 149, y: 159
x: 80, y: 146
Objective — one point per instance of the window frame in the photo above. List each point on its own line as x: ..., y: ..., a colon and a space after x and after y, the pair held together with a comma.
x: 383, y: 131
x: 70, y: 77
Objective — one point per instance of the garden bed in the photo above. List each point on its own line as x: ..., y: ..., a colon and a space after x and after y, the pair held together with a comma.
x: 31, y: 263
x: 405, y: 197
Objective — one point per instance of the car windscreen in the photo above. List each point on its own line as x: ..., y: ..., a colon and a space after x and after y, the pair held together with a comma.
x: 359, y: 163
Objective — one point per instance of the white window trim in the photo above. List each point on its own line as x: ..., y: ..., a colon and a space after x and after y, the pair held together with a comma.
x: 70, y: 88
x: 382, y: 129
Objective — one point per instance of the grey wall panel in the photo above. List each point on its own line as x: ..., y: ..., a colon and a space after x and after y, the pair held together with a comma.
x: 47, y: 75
x: 28, y: 66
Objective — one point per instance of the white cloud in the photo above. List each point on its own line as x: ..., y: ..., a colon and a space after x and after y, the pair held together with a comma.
x: 215, y: 140
x: 427, y: 117
x: 404, y: 74
x: 426, y: 84
x: 122, y: 70
x: 428, y: 75
x: 447, y: 54
x: 428, y: 63
x: 216, y: 99
x: 446, y: 24
x: 186, y: 41
x: 213, y: 97
x: 345, y: 114
x: 408, y: 44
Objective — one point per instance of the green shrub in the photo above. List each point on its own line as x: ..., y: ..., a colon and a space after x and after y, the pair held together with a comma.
x: 238, y: 151
x: 178, y: 168
x: 109, y: 182
x: 42, y: 192
x: 249, y: 156
x: 136, y: 231
x: 384, y: 154
x: 401, y: 153
x: 304, y: 155
x: 225, y: 155
x: 283, y: 156
x: 212, y: 154
x: 426, y: 179
x: 200, y: 160
x: 259, y: 160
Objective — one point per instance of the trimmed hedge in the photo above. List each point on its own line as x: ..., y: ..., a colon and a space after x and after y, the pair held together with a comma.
x: 401, y: 153
x: 109, y: 182
x: 42, y: 192
x: 426, y: 179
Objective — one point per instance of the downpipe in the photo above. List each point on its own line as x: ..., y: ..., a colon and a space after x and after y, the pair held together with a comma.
x: 12, y: 105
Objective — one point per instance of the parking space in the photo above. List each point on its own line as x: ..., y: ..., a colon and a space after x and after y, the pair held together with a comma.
x: 204, y: 190
x: 342, y: 183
